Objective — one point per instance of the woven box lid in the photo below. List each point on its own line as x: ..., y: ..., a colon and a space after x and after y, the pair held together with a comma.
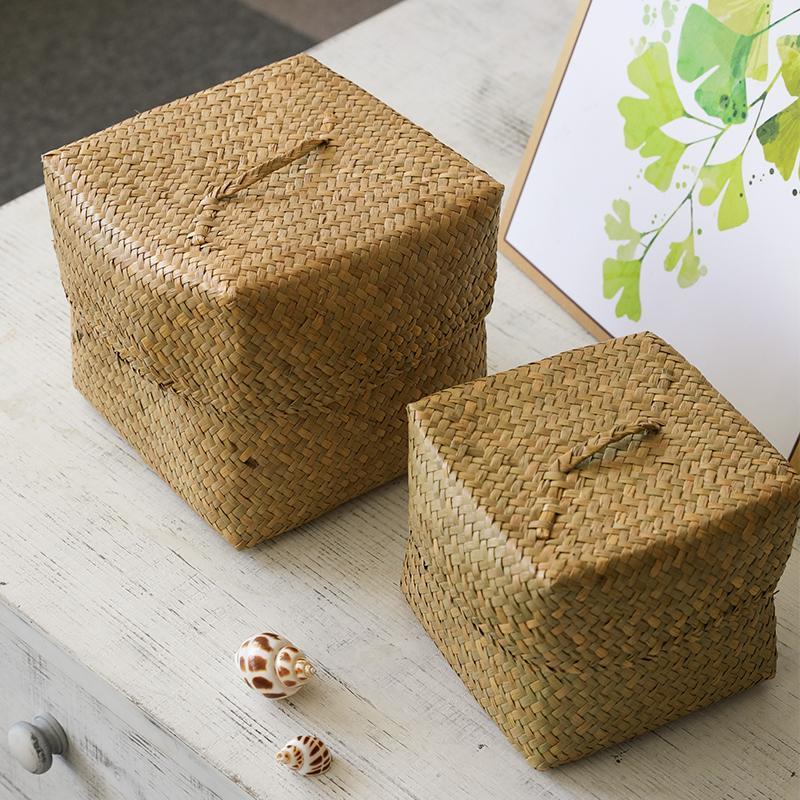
x: 600, y: 503
x: 278, y: 236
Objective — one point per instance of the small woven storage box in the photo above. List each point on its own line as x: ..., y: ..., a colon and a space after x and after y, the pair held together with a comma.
x: 595, y: 543
x: 261, y: 277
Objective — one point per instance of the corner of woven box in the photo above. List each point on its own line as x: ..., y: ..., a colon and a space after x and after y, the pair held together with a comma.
x: 491, y: 192
x: 418, y: 410
x: 309, y: 62
x: 306, y: 58
x: 789, y: 478
x: 497, y: 188
x: 651, y: 338
x: 50, y: 161
x: 420, y: 413
x: 651, y: 344
x: 54, y: 173
x: 414, y: 410
x: 237, y: 541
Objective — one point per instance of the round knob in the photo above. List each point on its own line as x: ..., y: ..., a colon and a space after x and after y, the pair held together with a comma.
x: 34, y: 744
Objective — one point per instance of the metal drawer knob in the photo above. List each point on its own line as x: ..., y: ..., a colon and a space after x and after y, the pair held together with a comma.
x: 34, y: 744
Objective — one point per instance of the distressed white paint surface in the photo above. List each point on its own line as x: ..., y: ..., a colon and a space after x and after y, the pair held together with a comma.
x: 107, y: 757
x: 141, y: 604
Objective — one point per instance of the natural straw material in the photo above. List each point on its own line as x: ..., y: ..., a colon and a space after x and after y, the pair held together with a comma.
x: 595, y: 543
x: 261, y: 277
x: 211, y: 203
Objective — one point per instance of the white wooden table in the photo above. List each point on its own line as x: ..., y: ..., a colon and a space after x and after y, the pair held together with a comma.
x: 120, y: 609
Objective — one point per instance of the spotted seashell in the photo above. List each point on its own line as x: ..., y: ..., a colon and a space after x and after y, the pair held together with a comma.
x: 306, y: 755
x: 273, y: 666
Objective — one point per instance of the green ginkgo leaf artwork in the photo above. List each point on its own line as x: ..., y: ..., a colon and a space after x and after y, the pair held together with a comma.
x: 780, y: 134
x: 718, y: 79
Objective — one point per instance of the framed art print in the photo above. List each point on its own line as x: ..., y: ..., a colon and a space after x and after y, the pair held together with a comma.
x: 661, y: 190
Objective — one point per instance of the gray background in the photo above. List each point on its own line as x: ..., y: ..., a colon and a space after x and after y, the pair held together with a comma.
x: 68, y: 69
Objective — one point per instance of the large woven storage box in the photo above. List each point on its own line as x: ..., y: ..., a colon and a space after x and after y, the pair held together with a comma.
x: 261, y: 277
x: 595, y: 543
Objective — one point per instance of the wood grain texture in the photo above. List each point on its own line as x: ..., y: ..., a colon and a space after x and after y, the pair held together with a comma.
x: 148, y: 604
x: 108, y: 758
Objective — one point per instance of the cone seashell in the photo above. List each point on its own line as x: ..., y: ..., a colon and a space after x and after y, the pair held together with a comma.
x: 306, y: 755
x: 273, y: 666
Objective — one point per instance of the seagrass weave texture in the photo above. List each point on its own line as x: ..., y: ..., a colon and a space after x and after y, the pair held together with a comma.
x: 595, y: 541
x: 261, y: 277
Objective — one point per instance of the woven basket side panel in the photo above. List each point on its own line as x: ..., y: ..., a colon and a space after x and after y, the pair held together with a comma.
x: 176, y: 334
x: 674, y: 589
x: 616, y: 615
x: 642, y: 575
x: 253, y: 481
x: 217, y: 389
x: 556, y: 717
x: 225, y: 349
x: 374, y: 309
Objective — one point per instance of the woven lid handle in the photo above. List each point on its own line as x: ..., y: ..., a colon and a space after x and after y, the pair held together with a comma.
x: 211, y: 203
x: 564, y: 463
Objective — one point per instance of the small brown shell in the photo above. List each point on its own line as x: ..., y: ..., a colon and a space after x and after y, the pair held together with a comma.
x: 273, y: 666
x: 306, y: 755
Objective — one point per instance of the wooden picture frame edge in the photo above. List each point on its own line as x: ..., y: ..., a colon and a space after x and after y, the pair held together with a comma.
x: 508, y: 250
